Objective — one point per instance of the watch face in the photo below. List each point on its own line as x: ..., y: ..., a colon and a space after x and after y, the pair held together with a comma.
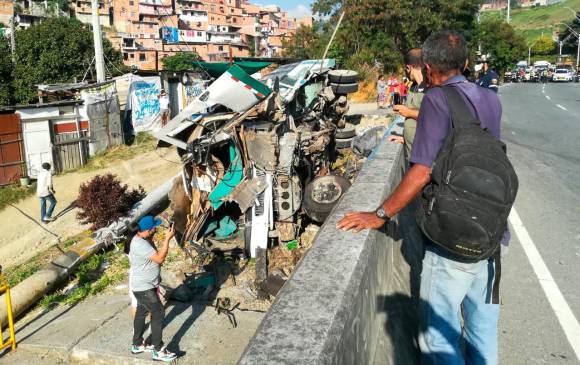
x: 381, y: 213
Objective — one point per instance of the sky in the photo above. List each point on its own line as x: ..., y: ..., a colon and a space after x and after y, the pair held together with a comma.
x: 295, y: 8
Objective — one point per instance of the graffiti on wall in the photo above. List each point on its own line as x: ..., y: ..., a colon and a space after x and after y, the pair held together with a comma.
x: 145, y: 104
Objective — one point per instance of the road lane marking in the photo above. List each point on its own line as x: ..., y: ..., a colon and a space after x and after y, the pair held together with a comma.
x: 547, y: 97
x: 561, y: 308
x: 561, y: 107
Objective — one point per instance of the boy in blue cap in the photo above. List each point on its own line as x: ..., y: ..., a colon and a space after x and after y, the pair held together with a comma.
x: 146, y: 261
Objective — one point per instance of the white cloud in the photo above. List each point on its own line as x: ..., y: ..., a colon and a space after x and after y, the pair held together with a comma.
x: 299, y: 11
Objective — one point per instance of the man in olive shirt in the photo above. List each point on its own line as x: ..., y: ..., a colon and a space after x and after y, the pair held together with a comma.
x: 410, y: 111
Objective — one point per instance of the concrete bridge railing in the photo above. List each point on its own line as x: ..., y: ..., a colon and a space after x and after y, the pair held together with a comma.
x: 349, y: 301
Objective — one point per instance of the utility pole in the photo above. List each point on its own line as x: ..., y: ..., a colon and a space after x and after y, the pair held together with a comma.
x: 13, y: 39
x: 509, y: 5
x: 99, y: 59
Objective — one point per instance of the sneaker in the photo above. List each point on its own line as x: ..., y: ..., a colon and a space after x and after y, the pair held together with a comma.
x: 163, y: 355
x: 142, y: 348
x: 50, y: 219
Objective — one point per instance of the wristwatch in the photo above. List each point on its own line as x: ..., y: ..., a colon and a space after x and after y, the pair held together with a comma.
x: 382, y: 214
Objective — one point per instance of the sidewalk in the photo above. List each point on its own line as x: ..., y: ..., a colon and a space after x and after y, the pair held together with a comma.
x: 99, y: 331
x: 367, y: 109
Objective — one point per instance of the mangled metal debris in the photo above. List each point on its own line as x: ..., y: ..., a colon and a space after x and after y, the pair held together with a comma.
x: 258, y: 177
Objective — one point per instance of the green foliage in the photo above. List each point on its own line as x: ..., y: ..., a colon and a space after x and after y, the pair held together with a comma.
x: 499, y: 39
x: 182, y: 61
x: 380, y: 31
x: 544, y: 45
x: 5, y: 72
x: 91, y: 279
x: 57, y: 50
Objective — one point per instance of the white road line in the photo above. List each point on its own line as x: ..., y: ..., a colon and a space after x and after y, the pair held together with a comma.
x: 547, y: 97
x: 561, y: 107
x: 565, y: 316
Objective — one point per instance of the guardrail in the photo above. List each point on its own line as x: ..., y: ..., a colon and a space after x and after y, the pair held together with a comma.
x: 349, y: 300
x: 5, y: 289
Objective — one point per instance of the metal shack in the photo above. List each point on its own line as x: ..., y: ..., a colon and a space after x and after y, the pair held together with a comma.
x: 66, y: 132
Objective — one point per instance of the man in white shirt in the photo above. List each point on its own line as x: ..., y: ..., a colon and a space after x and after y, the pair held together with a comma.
x: 45, y: 191
x: 163, y: 107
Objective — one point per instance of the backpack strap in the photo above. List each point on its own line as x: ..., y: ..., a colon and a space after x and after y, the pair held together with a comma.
x: 461, y: 116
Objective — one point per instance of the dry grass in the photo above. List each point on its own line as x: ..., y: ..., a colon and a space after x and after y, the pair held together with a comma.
x: 367, y: 92
x: 144, y: 142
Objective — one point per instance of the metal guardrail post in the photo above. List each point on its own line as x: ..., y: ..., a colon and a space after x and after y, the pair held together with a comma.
x: 5, y: 288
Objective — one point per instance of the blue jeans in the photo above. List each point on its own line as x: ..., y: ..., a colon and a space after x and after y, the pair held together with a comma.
x: 43, y: 213
x: 449, y: 291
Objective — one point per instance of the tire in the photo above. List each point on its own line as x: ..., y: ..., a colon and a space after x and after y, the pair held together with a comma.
x: 341, y: 89
x: 343, y: 76
x: 347, y: 132
x: 343, y: 143
x: 319, y: 210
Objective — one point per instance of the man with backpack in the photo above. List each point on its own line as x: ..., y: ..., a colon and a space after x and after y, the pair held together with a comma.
x: 467, y: 188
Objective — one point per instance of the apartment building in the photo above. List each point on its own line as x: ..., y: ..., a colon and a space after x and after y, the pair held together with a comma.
x: 146, y: 31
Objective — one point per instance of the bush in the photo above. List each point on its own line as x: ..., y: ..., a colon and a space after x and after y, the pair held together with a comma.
x: 103, y: 200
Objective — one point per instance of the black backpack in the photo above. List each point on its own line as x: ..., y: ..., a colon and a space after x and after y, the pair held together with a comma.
x: 465, y: 208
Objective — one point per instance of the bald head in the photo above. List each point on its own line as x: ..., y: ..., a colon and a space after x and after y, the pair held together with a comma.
x: 414, y: 58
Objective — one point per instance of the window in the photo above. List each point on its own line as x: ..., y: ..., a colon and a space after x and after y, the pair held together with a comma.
x: 235, y: 20
x: 131, y: 2
x: 132, y: 55
x: 125, y: 56
x: 199, y: 34
x: 220, y: 48
x: 231, y: 10
x: 142, y: 57
x: 151, y: 26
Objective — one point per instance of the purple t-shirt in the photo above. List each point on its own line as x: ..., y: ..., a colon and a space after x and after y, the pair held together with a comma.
x: 434, y: 123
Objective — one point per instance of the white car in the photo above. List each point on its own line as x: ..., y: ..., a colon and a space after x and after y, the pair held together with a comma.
x: 563, y: 74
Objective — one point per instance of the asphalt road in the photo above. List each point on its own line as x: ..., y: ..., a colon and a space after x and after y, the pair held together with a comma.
x: 541, y: 126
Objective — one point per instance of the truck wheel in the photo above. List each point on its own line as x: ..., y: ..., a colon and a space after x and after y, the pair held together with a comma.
x: 343, y: 76
x: 341, y: 89
x: 347, y: 132
x: 322, y: 194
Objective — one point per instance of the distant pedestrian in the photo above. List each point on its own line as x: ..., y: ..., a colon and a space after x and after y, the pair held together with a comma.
x: 404, y: 90
x: 488, y: 78
x: 393, y: 84
x: 381, y: 92
x: 163, y: 107
x: 146, y: 262
x: 45, y: 191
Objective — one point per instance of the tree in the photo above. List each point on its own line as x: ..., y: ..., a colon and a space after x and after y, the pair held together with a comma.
x: 182, y: 61
x: 501, y: 41
x: 104, y: 199
x: 308, y: 42
x: 57, y: 50
x: 380, y: 31
x: 5, y: 72
x: 543, y: 45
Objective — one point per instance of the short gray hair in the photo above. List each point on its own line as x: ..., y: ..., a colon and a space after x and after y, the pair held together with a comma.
x: 445, y: 51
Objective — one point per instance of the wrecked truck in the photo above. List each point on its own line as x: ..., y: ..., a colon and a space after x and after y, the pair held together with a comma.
x: 257, y: 156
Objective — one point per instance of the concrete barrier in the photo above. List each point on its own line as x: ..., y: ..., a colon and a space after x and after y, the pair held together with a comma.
x: 349, y: 300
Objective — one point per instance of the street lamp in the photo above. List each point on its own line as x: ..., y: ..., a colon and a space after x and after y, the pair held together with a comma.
x: 578, y: 38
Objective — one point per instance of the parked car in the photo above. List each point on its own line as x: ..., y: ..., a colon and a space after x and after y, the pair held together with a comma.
x: 563, y: 74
